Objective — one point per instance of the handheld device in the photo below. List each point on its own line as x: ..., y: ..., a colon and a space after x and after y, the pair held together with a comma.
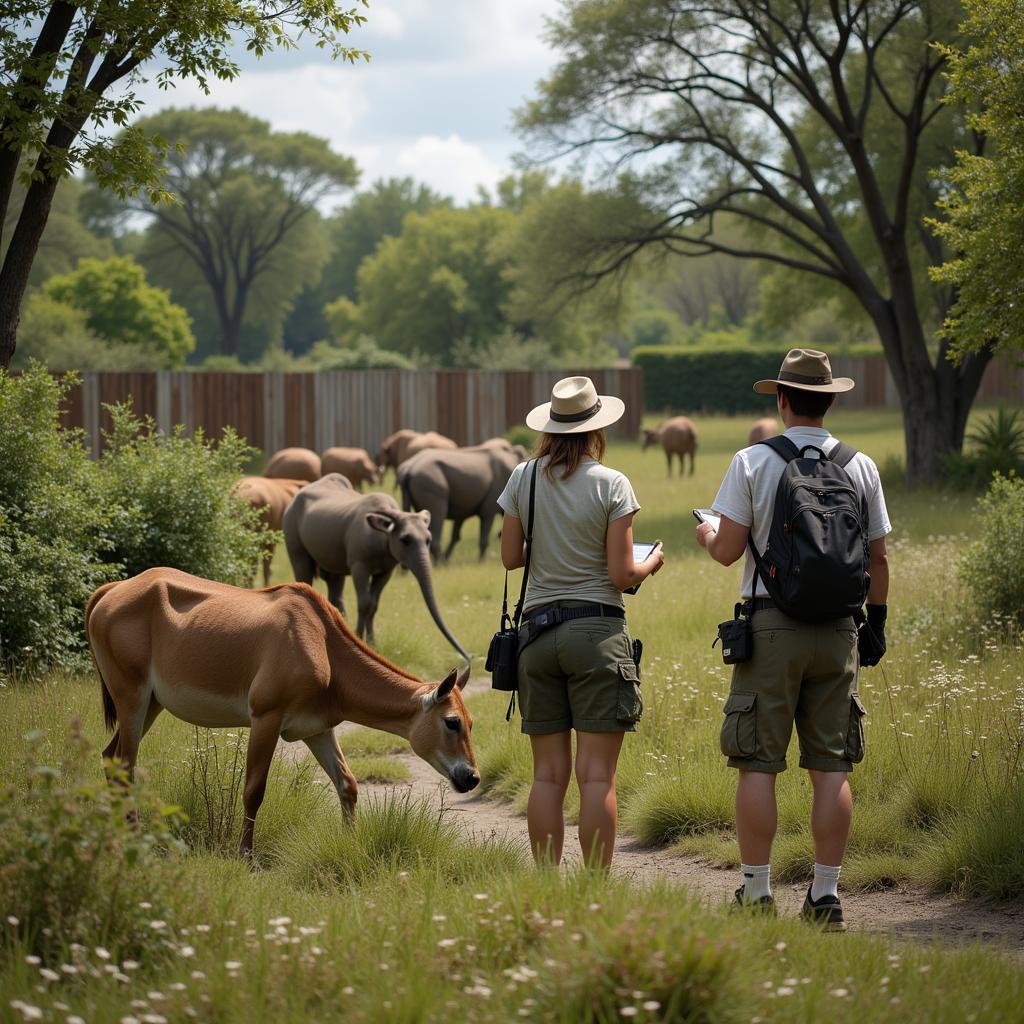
x: 641, y: 552
x: 707, y: 515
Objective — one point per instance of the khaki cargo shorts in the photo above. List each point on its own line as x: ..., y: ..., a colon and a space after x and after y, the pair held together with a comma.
x: 579, y: 675
x: 802, y: 673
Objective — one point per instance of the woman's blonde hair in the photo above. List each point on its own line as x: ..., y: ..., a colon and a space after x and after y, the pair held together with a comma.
x: 569, y: 450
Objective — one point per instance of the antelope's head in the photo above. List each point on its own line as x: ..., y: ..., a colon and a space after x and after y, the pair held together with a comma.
x: 650, y: 437
x: 440, y: 732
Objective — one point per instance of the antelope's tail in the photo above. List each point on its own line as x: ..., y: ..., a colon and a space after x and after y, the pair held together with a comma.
x: 109, y: 710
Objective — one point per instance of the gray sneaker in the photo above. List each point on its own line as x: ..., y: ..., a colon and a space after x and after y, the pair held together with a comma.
x: 764, y: 905
x: 826, y: 912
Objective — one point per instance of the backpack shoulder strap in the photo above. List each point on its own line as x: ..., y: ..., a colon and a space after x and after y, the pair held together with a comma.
x: 782, y: 446
x: 842, y: 455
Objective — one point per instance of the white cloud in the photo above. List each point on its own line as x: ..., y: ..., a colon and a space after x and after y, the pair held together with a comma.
x: 384, y: 20
x: 450, y: 165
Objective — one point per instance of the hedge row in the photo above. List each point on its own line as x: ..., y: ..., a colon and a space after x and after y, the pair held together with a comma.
x: 712, y: 379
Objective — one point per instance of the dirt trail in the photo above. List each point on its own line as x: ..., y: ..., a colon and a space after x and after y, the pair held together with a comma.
x: 900, y: 912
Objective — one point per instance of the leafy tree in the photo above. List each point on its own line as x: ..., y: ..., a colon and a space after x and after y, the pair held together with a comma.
x: 245, y: 202
x: 58, y: 336
x: 353, y: 234
x: 986, y: 198
x: 807, y: 122
x: 68, y: 236
x: 120, y: 307
x: 72, y: 69
x: 434, y: 284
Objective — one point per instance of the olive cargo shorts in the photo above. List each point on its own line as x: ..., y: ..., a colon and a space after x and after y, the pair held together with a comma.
x: 580, y: 675
x: 804, y: 673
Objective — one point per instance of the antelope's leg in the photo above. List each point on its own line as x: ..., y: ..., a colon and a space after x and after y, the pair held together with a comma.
x: 668, y: 459
x: 263, y: 736
x: 324, y: 747
x: 693, y: 460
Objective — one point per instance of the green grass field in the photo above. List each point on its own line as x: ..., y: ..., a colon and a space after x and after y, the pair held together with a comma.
x: 402, y: 919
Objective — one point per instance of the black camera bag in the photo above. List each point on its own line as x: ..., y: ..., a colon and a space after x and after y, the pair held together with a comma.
x: 503, y: 653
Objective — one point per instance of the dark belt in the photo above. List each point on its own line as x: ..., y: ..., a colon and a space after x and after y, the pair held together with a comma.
x: 758, y: 604
x: 549, y: 617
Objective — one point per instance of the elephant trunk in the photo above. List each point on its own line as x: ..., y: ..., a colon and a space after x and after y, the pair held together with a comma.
x: 420, y: 568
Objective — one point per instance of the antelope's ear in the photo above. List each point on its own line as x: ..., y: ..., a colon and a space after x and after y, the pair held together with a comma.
x: 463, y: 677
x: 425, y: 516
x: 446, y: 686
x: 379, y: 522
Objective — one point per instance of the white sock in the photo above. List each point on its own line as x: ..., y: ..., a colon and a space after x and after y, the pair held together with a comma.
x: 757, y: 881
x: 826, y: 879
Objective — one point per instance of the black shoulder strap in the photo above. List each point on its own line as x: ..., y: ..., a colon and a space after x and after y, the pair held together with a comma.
x: 842, y: 455
x: 782, y: 446
x: 529, y: 545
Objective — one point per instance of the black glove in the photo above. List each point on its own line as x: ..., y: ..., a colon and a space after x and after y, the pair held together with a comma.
x: 871, y: 637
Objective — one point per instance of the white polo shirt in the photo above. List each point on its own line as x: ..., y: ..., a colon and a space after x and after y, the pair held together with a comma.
x: 747, y: 494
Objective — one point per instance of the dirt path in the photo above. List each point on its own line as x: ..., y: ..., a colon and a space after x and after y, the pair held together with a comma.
x: 900, y: 912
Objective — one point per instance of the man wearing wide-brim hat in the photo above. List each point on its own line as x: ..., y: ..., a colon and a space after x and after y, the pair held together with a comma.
x: 809, y: 514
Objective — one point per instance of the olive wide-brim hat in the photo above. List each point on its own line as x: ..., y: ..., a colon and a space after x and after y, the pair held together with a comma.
x: 807, y: 370
x: 575, y: 408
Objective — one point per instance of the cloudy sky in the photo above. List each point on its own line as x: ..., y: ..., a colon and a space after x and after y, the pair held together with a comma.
x: 435, y: 102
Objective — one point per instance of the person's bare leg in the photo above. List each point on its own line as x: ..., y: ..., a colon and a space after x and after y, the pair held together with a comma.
x: 757, y: 816
x: 552, y: 768
x: 597, y: 754
x: 831, y: 816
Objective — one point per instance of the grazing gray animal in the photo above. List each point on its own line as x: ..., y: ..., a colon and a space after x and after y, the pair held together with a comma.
x: 354, y: 463
x: 677, y: 436
x: 332, y: 531
x: 768, y: 427
x: 457, y: 485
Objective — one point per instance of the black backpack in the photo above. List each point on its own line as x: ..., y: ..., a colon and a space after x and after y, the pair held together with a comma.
x: 815, y: 566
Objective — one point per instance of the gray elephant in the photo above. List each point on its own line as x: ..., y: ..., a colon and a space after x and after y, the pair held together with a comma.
x: 332, y: 530
x: 456, y: 485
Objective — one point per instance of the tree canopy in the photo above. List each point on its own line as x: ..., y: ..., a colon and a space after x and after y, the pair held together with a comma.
x: 243, y: 220
x: 70, y: 71
x: 984, y: 207
x: 805, y: 121
x: 119, y: 306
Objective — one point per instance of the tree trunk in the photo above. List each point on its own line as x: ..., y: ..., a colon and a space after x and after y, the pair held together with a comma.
x: 17, y: 265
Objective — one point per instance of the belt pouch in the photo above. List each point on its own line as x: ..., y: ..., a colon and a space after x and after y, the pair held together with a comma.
x: 737, y: 638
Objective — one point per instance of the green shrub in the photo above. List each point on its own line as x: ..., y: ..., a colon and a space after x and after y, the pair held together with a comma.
x: 364, y: 354
x: 74, y: 869
x: 170, y: 501
x: 993, y: 567
x: 52, y: 525
x: 712, y: 377
x: 521, y: 434
x: 996, y: 445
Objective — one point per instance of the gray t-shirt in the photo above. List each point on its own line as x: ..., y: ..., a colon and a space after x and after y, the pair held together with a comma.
x: 569, y: 561
x: 747, y: 494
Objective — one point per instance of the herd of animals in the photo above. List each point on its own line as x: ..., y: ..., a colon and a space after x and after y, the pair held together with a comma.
x: 332, y: 529
x: 283, y: 661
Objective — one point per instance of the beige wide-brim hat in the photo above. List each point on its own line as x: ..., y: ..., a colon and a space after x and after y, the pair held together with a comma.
x: 575, y: 408
x: 808, y: 370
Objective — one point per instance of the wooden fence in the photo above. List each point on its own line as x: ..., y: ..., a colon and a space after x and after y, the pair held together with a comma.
x: 359, y: 408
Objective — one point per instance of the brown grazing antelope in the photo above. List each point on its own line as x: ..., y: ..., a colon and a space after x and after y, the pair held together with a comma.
x: 761, y: 429
x: 270, y: 498
x: 280, y: 661
x: 354, y: 463
x: 677, y: 436
x: 294, y: 464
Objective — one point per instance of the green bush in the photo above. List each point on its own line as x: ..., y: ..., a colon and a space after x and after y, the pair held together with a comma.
x: 521, y: 434
x: 170, y: 501
x: 993, y: 567
x: 52, y: 525
x: 712, y: 377
x: 75, y: 869
x: 996, y: 445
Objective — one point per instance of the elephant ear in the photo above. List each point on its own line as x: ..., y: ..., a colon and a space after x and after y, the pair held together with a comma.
x: 425, y: 516
x: 379, y: 522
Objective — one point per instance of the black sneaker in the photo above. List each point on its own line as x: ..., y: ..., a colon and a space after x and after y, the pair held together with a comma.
x: 764, y: 905
x: 826, y: 912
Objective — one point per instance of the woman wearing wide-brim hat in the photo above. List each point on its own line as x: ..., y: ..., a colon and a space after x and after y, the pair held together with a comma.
x: 576, y: 667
